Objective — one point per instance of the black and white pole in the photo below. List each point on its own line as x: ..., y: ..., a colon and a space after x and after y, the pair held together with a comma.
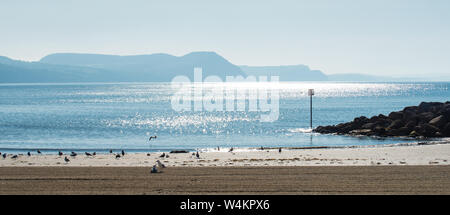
x: 310, y: 94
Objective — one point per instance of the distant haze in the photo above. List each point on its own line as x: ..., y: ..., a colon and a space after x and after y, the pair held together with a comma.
x: 402, y: 38
x: 71, y: 67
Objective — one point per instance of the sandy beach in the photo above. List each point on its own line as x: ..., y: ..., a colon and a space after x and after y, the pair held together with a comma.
x: 227, y: 180
x: 401, y: 154
x: 399, y: 169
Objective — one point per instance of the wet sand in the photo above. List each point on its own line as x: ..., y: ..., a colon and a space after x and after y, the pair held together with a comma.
x: 227, y: 180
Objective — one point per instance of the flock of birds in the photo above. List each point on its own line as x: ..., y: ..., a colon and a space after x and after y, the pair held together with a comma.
x: 154, y: 169
x: 66, y: 159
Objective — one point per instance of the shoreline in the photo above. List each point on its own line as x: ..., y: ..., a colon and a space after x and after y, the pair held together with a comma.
x: 419, y: 153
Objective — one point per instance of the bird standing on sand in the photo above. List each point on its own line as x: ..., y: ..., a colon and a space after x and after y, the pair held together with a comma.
x: 110, y: 151
x: 154, y: 169
x: 29, y: 154
x: 94, y: 154
x: 60, y: 153
x: 197, y: 155
x: 160, y: 164
x: 117, y: 156
x: 123, y: 153
x: 152, y: 137
x: 163, y: 155
x: 231, y: 149
x: 73, y: 154
x: 14, y: 157
x: 88, y: 154
x: 38, y: 151
x: 279, y: 150
x: 66, y: 159
x: 4, y: 155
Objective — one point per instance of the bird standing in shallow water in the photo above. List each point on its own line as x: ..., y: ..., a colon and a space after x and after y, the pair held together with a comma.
x: 38, y: 151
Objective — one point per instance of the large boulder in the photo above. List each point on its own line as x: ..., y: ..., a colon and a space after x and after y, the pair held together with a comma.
x: 439, y: 121
x: 446, y: 130
x: 425, y: 117
x: 411, y: 124
x: 429, y: 119
x: 429, y: 106
x: 369, y: 125
x: 429, y: 130
x: 396, y: 124
x: 396, y: 115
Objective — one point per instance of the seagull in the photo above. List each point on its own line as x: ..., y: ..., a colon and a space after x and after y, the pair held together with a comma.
x: 73, y: 154
x: 66, y: 159
x: 160, y: 164
x: 88, y: 154
x: 117, y: 156
x: 38, y: 151
x: 163, y: 155
x: 60, y: 153
x: 123, y: 153
x: 14, y: 157
x: 152, y: 137
x: 29, y: 154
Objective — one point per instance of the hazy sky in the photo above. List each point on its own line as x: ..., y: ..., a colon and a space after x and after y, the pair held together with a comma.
x: 392, y: 37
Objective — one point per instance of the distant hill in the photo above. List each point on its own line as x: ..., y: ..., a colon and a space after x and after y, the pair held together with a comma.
x: 155, y: 67
x: 69, y: 67
x: 13, y: 71
x: 356, y: 77
x: 286, y: 73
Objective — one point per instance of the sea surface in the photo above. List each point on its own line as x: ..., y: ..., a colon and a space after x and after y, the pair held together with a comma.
x: 103, y: 116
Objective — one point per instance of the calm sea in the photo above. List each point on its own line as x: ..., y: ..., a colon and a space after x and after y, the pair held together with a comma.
x: 99, y: 117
